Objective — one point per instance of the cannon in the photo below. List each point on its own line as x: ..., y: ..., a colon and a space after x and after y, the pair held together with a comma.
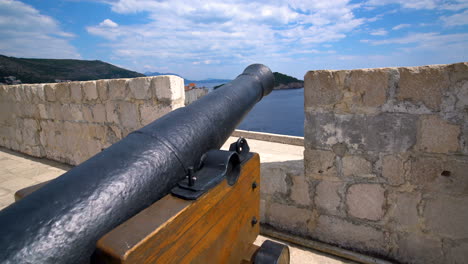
x: 164, y: 193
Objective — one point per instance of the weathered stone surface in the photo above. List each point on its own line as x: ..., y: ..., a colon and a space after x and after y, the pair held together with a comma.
x: 338, y: 231
x: 458, y: 254
x: 366, y: 201
x: 424, y: 170
x: 117, y: 89
x: 49, y: 90
x: 62, y: 92
x: 319, y: 162
x: 386, y: 132
x: 150, y: 112
x: 42, y: 111
x: 417, y: 248
x: 327, y: 197
x: 102, y: 88
x: 168, y: 88
x: 393, y: 169
x: 370, y: 85
x: 75, y: 90
x: 446, y: 215
x: 458, y: 72
x: 404, y: 211
x: 111, y: 113
x: 288, y: 217
x: 262, y: 211
x: 438, y: 135
x: 99, y: 113
x: 323, y: 87
x: 72, y: 112
x: 89, y: 90
x: 128, y: 114
x: 357, y: 166
x: 140, y: 87
x: 423, y: 84
x: 300, y: 190
x: 273, y: 179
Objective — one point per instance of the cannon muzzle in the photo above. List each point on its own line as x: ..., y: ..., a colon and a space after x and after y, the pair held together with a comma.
x: 61, y: 222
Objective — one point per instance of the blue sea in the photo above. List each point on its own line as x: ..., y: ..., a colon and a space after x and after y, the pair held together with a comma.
x: 281, y: 112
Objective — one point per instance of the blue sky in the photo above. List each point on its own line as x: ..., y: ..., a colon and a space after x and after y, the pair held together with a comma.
x: 218, y: 39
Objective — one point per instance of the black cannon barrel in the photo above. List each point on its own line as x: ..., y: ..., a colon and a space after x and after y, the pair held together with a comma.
x: 61, y: 222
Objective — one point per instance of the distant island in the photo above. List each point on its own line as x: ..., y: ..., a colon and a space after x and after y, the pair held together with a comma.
x: 282, y: 81
x: 22, y: 70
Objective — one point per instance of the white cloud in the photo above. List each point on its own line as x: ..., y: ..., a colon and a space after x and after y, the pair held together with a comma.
x: 25, y: 32
x: 234, y: 32
x: 456, y: 20
x: 423, y: 4
x: 379, y: 32
x: 108, y: 23
x: 428, y: 41
x: 400, y: 26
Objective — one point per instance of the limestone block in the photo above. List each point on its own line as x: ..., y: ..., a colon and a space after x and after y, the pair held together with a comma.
x: 62, y: 92
x: 89, y: 90
x: 438, y: 135
x: 357, y: 166
x: 288, y: 217
x: 168, y: 88
x: 393, y: 169
x: 87, y: 113
x: 27, y: 91
x: 446, y: 215
x: 327, y: 197
x: 99, y: 113
x: 452, y: 177
x: 19, y: 92
x: 75, y: 91
x: 366, y: 201
x: 319, y: 162
x: 117, y: 89
x: 111, y: 113
x: 113, y: 134
x: 323, y: 88
x: 151, y: 111
x: 369, y: 86
x: 43, y: 113
x: 458, y: 72
x: 37, y: 91
x: 128, y: 114
x: 273, y: 179
x: 424, y: 84
x: 424, y: 170
x: 385, y: 132
x: 300, y: 190
x: 346, y: 234
x: 404, y: 211
x: 72, y: 112
x: 49, y: 90
x: 103, y: 90
x: 140, y: 87
x: 416, y: 248
x: 29, y: 110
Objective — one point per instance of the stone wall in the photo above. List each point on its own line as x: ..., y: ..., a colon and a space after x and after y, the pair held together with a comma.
x: 71, y: 122
x: 386, y: 164
x: 194, y: 94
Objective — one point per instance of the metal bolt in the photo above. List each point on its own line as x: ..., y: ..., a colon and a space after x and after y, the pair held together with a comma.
x: 254, y: 185
x: 254, y: 221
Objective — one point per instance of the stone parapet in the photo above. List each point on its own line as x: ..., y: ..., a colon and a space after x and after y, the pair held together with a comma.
x: 70, y: 122
x: 386, y: 164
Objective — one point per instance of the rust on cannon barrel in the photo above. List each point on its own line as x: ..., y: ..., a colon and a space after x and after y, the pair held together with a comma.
x: 61, y: 222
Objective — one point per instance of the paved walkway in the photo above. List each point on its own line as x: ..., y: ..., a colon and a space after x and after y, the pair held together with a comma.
x: 18, y: 171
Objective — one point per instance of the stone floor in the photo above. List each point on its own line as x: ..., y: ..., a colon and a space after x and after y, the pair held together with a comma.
x: 18, y: 171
